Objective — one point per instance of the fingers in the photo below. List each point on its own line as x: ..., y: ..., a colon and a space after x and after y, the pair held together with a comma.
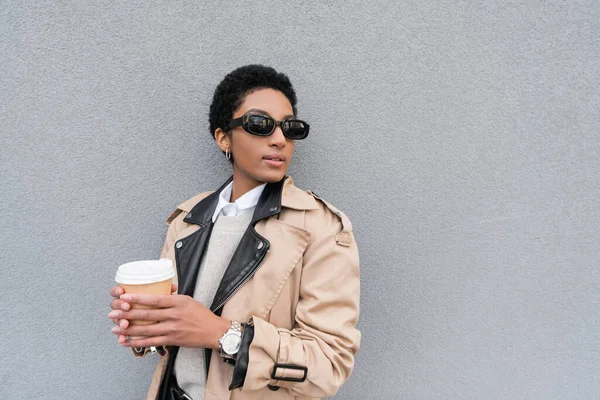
x: 116, y: 291
x: 161, y: 329
x: 142, y: 315
x: 156, y: 301
x: 122, y: 312
x: 148, y: 342
x: 118, y: 304
x: 120, y: 324
x: 123, y: 328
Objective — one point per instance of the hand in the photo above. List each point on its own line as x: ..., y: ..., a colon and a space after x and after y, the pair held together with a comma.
x: 181, y: 321
x: 118, y: 304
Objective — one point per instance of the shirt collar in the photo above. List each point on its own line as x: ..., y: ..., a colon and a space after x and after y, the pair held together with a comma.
x: 245, y: 202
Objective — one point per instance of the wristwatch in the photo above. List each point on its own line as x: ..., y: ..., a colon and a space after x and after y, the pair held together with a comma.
x: 229, y: 344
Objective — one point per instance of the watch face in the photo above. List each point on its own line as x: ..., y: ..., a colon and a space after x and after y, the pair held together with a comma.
x: 231, y: 343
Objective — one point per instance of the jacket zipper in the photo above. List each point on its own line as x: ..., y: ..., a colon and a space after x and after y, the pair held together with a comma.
x: 242, y: 283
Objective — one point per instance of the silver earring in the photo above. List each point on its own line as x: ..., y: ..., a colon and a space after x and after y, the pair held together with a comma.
x: 227, y: 154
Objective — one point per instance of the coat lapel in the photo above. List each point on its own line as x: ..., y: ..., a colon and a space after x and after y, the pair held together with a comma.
x: 190, y: 249
x: 252, y: 249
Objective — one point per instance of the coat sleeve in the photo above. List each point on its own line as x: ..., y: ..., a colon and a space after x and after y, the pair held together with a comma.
x: 317, y: 356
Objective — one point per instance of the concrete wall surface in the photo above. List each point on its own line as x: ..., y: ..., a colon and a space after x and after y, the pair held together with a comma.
x: 462, y: 139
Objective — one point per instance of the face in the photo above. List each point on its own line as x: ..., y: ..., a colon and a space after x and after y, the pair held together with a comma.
x: 259, y: 159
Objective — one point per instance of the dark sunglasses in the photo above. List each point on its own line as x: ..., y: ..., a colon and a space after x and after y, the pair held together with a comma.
x: 262, y: 125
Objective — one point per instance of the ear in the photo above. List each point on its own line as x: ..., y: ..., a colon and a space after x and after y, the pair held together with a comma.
x: 223, y: 139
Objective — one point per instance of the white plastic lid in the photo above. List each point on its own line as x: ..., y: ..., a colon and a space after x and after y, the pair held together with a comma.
x: 145, y: 272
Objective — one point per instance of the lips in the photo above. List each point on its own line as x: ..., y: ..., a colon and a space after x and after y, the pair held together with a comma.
x: 274, y: 157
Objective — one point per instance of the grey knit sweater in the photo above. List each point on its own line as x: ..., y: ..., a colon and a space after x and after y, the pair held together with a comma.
x: 227, y: 232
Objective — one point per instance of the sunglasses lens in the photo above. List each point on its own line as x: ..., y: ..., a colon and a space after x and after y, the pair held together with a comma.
x: 259, y: 125
x: 295, y: 129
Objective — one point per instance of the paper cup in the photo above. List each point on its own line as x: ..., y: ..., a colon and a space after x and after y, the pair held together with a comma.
x: 147, y: 277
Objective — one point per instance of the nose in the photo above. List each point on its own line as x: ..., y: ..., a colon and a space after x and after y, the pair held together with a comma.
x: 277, y: 138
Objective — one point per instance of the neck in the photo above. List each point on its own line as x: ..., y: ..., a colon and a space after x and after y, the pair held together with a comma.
x: 242, y: 184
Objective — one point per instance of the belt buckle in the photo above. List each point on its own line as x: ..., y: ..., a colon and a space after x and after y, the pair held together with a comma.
x: 289, y: 366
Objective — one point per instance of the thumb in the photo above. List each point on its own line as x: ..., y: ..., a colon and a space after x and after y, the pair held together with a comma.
x: 173, y: 288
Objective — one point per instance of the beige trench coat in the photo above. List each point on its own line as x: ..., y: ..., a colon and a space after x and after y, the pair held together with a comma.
x: 303, y: 302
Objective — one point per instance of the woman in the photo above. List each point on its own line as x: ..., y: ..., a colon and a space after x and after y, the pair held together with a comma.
x: 267, y: 274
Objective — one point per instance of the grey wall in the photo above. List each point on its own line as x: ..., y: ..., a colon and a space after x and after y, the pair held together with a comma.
x: 461, y: 138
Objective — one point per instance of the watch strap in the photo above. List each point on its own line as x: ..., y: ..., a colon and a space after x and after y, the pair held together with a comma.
x: 236, y: 328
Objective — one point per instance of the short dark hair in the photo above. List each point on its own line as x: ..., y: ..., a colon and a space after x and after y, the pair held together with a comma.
x: 240, y: 82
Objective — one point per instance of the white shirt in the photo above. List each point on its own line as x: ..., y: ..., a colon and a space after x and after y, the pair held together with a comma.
x: 245, y: 203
